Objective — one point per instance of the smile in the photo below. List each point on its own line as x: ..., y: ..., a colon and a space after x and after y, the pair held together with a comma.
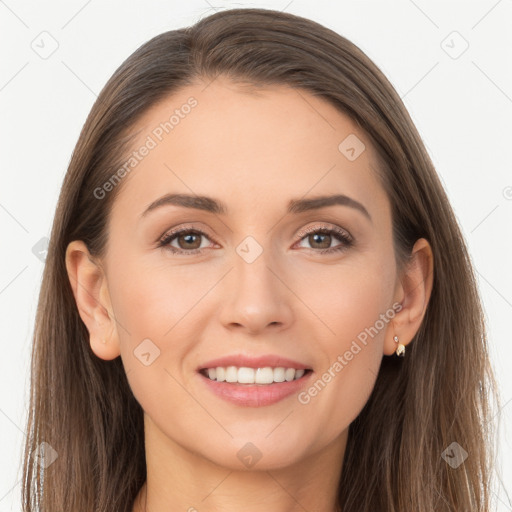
x: 254, y: 387
x: 245, y: 375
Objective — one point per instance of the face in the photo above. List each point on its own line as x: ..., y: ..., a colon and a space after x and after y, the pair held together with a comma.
x: 259, y: 275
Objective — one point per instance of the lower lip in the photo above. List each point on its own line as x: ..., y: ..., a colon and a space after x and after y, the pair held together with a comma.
x: 256, y: 395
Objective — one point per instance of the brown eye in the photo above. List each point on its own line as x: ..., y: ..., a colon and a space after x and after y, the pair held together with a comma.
x: 188, y: 241
x: 320, y: 241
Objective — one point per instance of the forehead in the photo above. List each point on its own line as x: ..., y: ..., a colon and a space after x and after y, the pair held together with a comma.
x: 251, y: 145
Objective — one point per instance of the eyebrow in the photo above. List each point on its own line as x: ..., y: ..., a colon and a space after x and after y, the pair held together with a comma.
x: 215, y: 206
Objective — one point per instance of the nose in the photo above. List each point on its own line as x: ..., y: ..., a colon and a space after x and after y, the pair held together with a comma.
x: 257, y: 297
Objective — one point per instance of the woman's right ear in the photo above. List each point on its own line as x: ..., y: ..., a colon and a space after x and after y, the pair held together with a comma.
x: 89, y: 285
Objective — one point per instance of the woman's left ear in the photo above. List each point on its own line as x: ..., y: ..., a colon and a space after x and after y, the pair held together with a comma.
x: 413, y: 293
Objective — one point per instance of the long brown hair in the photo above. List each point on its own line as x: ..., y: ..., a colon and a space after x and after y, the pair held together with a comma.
x: 440, y: 393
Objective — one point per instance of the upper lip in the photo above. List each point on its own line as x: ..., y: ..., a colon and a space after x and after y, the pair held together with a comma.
x: 239, y: 361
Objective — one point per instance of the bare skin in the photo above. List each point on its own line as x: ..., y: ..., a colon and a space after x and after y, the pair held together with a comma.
x: 255, y: 153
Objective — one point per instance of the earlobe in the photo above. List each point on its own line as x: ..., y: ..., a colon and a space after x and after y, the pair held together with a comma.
x: 413, y: 294
x: 89, y: 286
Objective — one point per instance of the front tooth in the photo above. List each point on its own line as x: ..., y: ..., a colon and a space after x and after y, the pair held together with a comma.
x: 279, y: 374
x: 289, y: 374
x: 264, y: 375
x: 221, y: 374
x: 245, y: 375
x: 231, y: 374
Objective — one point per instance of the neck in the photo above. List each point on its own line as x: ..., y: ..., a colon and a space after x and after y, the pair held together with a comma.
x: 178, y: 479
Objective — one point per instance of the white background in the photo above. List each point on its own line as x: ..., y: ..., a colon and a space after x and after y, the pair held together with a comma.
x: 462, y: 107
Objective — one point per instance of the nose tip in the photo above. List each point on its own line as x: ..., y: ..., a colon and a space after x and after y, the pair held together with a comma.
x: 258, y: 300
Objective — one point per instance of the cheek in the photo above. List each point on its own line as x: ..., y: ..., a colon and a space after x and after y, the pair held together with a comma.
x: 346, y: 298
x: 150, y: 299
x: 355, y: 312
x: 155, y: 308
x: 362, y: 316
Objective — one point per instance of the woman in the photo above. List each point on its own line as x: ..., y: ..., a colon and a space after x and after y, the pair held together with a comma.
x: 195, y: 349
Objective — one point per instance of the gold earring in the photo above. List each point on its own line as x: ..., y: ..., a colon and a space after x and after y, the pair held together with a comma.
x: 400, y: 350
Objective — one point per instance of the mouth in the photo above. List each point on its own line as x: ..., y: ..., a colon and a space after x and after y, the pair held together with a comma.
x: 254, y: 380
x: 264, y: 376
x: 254, y: 387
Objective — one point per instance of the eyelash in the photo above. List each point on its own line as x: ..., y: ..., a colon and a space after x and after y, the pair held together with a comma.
x: 346, y: 240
